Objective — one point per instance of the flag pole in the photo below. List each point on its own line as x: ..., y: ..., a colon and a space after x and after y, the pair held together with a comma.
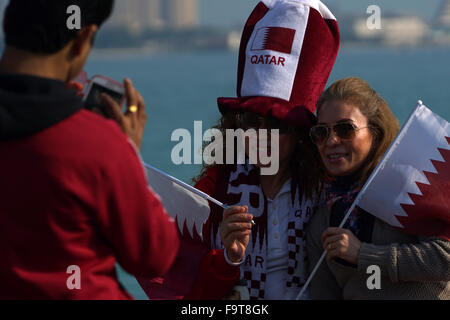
x: 324, y: 254
x: 190, y: 188
x: 358, y: 197
x: 187, y: 186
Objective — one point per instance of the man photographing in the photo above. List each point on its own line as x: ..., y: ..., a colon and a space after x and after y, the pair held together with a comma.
x: 72, y: 188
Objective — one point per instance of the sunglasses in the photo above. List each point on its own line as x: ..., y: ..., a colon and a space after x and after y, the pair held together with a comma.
x: 343, y: 130
x: 249, y: 120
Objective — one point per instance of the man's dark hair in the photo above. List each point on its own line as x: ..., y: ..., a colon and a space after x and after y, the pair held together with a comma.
x: 40, y: 26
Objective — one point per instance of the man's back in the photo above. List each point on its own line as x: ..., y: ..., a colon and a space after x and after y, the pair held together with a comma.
x: 72, y: 192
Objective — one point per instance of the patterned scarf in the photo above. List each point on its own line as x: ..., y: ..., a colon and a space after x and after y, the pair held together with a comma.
x: 340, y: 195
x: 241, y: 187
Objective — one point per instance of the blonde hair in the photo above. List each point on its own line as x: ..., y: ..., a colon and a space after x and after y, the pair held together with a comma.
x: 383, y: 124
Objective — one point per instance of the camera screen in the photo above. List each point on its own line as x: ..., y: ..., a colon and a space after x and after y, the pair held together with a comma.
x: 94, y: 99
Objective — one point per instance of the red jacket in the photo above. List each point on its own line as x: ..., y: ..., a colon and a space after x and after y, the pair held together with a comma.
x: 73, y: 192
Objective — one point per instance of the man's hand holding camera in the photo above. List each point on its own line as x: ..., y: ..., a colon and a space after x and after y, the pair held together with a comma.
x: 134, y: 119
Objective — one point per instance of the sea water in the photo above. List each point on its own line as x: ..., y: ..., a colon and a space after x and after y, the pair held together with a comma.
x: 180, y: 88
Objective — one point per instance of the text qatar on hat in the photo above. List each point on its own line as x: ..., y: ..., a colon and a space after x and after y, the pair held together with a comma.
x: 287, y: 51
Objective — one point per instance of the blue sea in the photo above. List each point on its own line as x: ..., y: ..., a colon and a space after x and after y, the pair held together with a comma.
x: 180, y: 88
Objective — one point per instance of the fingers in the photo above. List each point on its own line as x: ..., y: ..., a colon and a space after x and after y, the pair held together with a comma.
x: 335, y: 253
x: 230, y: 228
x: 332, y: 232
x: 234, y: 210
x: 132, y: 98
x: 236, y: 219
x: 341, y: 243
x: 236, y: 225
x: 135, y: 112
x: 332, y: 241
x: 131, y: 93
x: 236, y: 245
x: 133, y: 121
x: 142, y: 114
x: 237, y: 214
x: 113, y: 108
x: 335, y: 246
x: 239, y: 235
x: 235, y: 231
x: 239, y: 217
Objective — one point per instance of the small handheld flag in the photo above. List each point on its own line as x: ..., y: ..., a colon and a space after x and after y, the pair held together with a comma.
x: 410, y: 188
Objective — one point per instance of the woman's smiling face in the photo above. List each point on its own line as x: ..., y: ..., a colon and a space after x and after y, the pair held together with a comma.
x: 344, y: 157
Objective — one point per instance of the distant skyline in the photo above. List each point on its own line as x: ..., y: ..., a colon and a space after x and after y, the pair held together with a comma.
x: 235, y: 12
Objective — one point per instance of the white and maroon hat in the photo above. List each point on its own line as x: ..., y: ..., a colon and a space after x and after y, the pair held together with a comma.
x: 287, y: 51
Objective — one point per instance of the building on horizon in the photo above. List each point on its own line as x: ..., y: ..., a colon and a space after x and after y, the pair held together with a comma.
x: 441, y: 24
x: 181, y: 13
x: 395, y: 31
x: 139, y: 15
x: 443, y: 15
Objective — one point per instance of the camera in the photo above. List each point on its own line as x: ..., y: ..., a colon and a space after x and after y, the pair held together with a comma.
x: 99, y: 85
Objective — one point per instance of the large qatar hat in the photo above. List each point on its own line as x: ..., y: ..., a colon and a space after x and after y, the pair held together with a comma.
x: 287, y: 51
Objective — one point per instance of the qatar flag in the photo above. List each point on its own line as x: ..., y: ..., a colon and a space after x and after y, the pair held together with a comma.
x: 410, y: 188
x: 275, y: 39
x: 187, y: 205
x: 190, y: 209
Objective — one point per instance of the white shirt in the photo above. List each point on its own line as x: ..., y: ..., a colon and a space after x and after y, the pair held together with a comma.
x: 277, y: 251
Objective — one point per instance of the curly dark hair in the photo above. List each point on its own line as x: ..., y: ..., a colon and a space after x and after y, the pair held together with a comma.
x: 305, y: 169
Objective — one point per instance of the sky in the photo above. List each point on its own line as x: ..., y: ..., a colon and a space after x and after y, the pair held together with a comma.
x: 236, y: 12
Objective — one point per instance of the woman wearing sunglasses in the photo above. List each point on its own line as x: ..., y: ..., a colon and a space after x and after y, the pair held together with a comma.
x: 278, y: 204
x: 287, y: 51
x: 355, y: 128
